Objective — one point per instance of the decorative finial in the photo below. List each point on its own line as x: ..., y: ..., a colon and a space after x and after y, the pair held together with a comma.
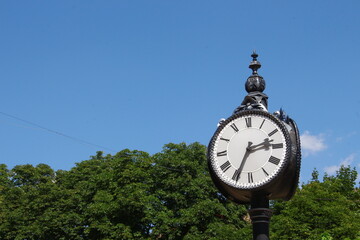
x: 255, y: 64
x: 255, y: 83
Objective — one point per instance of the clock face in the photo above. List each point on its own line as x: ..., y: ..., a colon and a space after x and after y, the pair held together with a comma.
x: 249, y: 149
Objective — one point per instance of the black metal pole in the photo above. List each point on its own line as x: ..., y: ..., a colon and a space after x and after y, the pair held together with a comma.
x: 260, y: 215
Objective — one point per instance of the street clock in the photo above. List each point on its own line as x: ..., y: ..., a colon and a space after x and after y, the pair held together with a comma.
x: 253, y: 151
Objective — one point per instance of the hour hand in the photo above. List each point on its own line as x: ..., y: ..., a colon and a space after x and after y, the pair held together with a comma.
x: 265, y: 143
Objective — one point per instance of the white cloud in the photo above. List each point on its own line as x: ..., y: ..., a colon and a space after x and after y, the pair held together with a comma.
x: 345, y: 162
x: 311, y: 144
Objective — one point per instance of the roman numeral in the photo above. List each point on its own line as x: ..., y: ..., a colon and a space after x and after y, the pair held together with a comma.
x: 266, y: 173
x: 274, y: 160
x: 223, y: 153
x: 262, y: 124
x: 250, y: 177
x: 234, y: 127
x: 225, y: 166
x: 248, y: 122
x: 225, y: 139
x: 236, y: 175
x: 273, y: 132
x: 277, y: 145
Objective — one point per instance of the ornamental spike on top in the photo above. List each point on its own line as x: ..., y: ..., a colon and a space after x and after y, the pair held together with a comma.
x: 255, y: 83
x: 255, y: 64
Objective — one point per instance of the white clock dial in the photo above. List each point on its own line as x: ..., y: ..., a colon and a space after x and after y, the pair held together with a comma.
x: 249, y: 149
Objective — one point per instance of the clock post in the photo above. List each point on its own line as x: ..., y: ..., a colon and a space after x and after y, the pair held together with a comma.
x: 260, y: 215
x: 254, y: 156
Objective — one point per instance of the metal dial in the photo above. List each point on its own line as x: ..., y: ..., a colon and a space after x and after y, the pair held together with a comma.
x: 249, y: 149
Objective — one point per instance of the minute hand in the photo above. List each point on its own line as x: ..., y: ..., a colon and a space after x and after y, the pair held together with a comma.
x: 266, y: 144
x: 239, y: 170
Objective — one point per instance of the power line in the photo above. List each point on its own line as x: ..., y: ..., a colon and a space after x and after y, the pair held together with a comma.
x: 57, y: 132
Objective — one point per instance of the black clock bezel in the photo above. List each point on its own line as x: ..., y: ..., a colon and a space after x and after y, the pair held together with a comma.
x: 278, y: 122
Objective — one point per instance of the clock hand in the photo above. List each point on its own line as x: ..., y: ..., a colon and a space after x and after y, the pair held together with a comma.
x: 266, y: 144
x: 239, y: 170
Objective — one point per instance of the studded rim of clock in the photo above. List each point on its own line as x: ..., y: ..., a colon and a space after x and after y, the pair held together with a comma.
x: 280, y: 169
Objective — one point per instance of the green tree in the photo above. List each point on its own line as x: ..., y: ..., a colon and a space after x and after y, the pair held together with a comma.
x: 129, y: 195
x: 26, y: 197
x: 186, y: 204
x: 320, y: 210
x: 104, y: 196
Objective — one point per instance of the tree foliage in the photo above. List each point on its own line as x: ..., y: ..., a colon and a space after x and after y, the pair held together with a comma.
x: 168, y: 195
x: 321, y: 210
x: 130, y: 195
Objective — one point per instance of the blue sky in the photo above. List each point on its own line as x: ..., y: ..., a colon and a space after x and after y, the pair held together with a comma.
x: 140, y: 74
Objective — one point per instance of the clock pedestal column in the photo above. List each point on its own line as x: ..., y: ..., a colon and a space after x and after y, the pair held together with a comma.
x: 260, y: 215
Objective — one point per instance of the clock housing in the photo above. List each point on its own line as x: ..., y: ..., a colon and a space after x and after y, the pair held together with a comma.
x: 250, y: 153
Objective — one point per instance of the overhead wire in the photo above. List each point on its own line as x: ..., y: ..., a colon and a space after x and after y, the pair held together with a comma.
x: 37, y: 127
x: 57, y: 132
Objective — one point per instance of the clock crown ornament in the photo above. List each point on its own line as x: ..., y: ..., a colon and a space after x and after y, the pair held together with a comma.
x: 255, y: 83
